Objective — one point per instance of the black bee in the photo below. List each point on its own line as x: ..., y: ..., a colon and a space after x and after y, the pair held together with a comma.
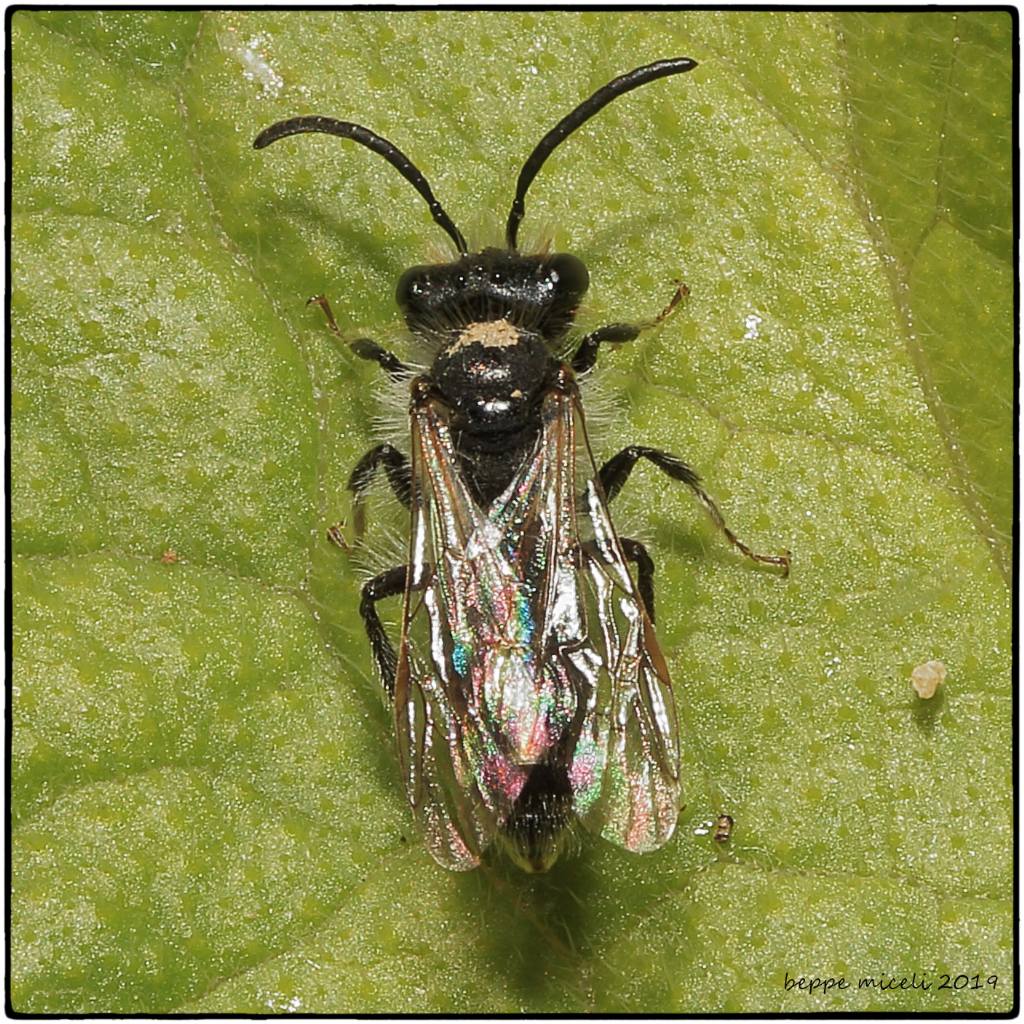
x: 529, y: 689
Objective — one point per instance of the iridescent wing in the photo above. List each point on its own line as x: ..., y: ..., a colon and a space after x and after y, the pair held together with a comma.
x: 625, y: 765
x: 625, y: 770
x: 459, y: 616
x: 524, y: 641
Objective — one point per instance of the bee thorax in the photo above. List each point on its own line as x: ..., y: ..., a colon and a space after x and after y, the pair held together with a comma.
x: 489, y: 333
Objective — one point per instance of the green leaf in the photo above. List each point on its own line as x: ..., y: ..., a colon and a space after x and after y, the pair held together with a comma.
x: 207, y: 815
x: 936, y: 175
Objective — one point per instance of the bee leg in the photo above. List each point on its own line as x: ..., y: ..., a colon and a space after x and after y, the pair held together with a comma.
x: 395, y: 464
x: 362, y: 347
x: 617, y: 334
x: 387, y: 584
x: 615, y: 472
x: 636, y: 552
x: 633, y: 551
x: 586, y: 354
x: 388, y: 361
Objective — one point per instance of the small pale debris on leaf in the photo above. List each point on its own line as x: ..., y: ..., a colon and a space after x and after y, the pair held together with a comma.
x: 927, y: 678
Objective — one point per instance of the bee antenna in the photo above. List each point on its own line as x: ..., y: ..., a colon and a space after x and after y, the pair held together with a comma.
x: 584, y: 112
x: 380, y: 145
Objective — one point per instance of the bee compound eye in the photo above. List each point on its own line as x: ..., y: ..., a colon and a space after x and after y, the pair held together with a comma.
x: 568, y: 274
x: 413, y: 286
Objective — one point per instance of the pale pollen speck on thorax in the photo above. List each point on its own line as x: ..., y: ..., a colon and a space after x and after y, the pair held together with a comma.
x: 489, y: 333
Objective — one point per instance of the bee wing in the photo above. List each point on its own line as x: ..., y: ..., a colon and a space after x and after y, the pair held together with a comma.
x: 524, y: 641
x: 461, y: 649
x: 454, y: 818
x: 625, y: 767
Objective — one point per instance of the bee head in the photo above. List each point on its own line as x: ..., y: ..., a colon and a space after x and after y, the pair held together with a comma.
x: 539, y: 293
